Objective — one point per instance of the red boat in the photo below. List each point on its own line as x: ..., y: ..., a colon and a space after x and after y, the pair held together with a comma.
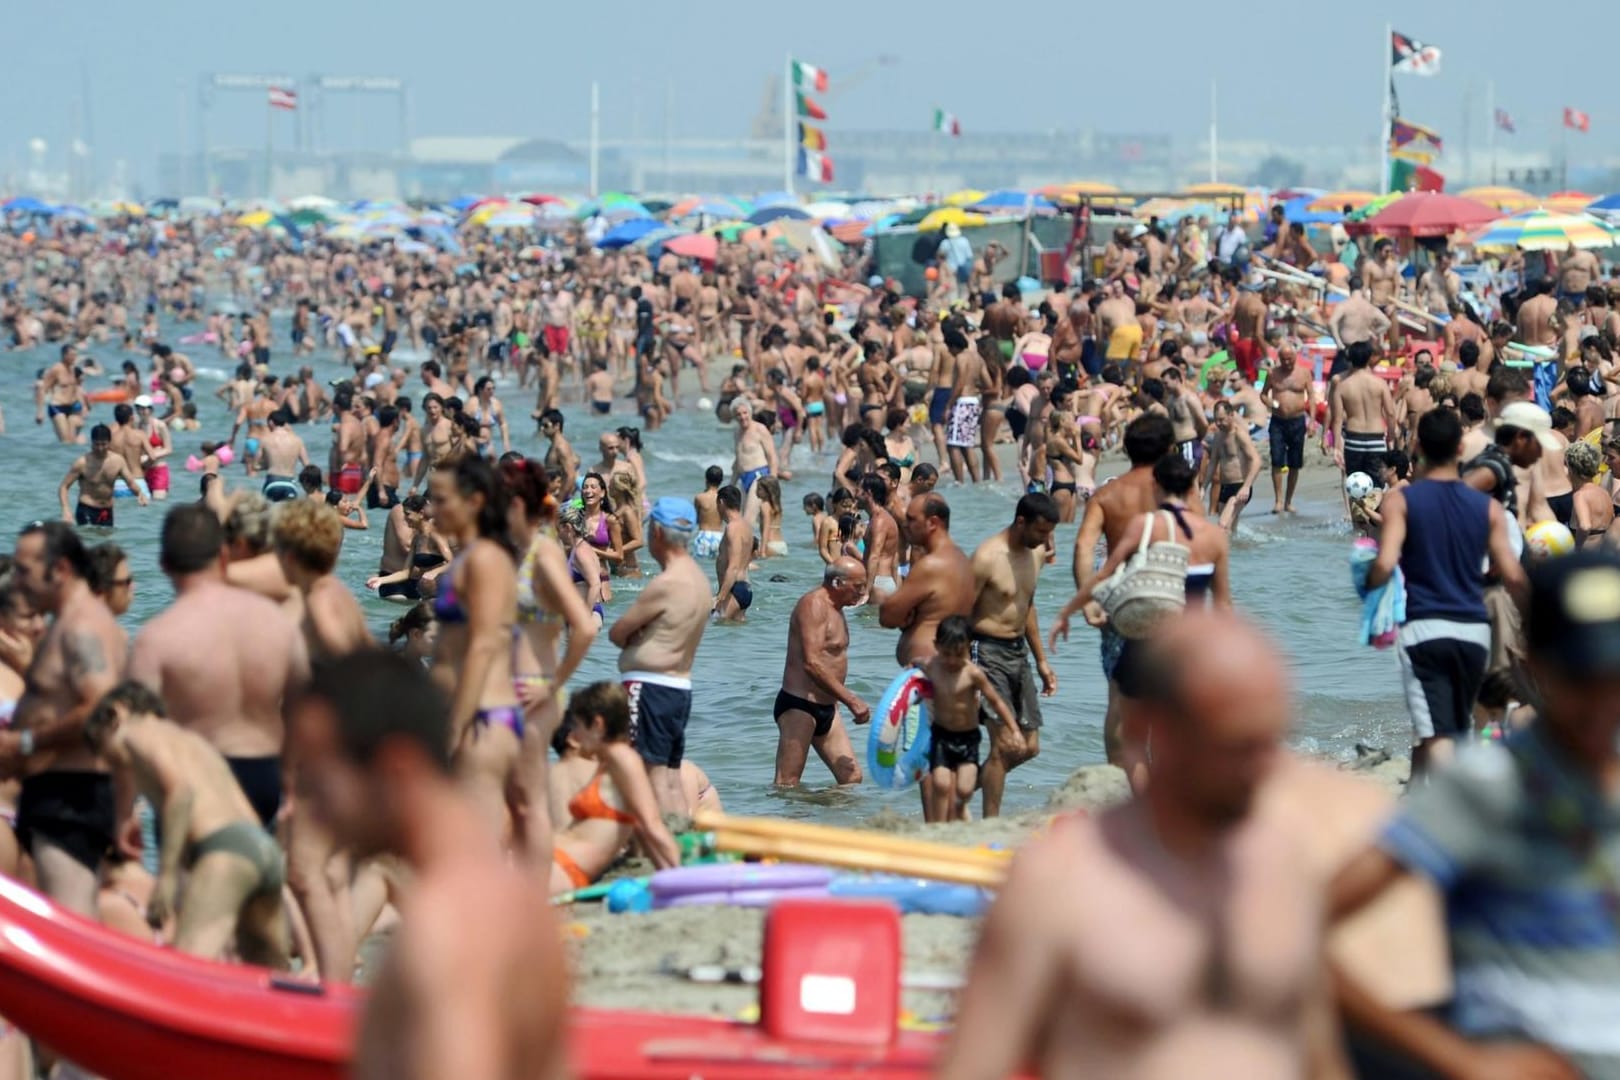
x: 129, y: 1010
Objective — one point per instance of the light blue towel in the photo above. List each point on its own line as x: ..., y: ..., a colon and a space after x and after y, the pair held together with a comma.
x: 1384, y: 608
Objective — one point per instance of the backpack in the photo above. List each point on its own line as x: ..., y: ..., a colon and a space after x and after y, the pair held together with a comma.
x: 1148, y: 586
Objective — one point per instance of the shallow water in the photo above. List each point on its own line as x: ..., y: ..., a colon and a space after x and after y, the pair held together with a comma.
x: 1288, y: 574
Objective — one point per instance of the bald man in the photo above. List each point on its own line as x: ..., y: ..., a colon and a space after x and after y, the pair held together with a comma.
x: 1198, y: 947
x: 813, y: 679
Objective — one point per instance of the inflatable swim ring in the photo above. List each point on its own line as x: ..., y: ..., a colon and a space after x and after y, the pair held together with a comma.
x: 116, y: 394
x: 897, y: 744
x: 207, y: 337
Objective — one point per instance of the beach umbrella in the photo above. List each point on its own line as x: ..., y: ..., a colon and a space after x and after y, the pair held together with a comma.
x: 965, y: 197
x: 1568, y: 202
x: 654, y: 241
x: 520, y: 216
x: 1299, y: 210
x: 1214, y: 188
x: 1014, y: 201
x: 776, y: 198
x: 1426, y: 213
x: 539, y: 199
x: 200, y: 204
x: 694, y: 246
x: 950, y: 215
x: 312, y: 202
x: 1099, y: 193
x: 1609, y: 204
x: 828, y: 209
x: 255, y: 219
x: 1378, y: 203
x: 848, y: 232
x: 1506, y: 199
x: 1545, y: 230
x: 871, y: 209
x: 461, y: 204
x: 768, y: 214
x: 412, y: 247
x: 1336, y: 201
x: 627, y: 232
x: 656, y: 206
x: 695, y: 207
x: 25, y: 204
x: 310, y: 215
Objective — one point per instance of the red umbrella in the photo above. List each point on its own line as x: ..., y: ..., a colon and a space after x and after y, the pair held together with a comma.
x: 1426, y: 213
x: 540, y: 200
x: 699, y: 246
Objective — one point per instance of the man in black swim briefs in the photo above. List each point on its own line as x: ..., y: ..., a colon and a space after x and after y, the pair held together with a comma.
x: 813, y: 679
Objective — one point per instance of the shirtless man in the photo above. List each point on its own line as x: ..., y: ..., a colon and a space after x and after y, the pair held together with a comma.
x: 941, y: 380
x: 1439, y: 286
x: 1007, y: 634
x: 1249, y: 313
x: 1290, y: 394
x: 1538, y: 317
x: 940, y: 583
x: 965, y: 404
x: 755, y: 455
x: 1234, y: 466
x: 96, y: 473
x: 374, y: 732
x: 1355, y: 319
x: 234, y: 869
x: 129, y: 441
x: 59, y: 395
x: 1109, y: 513
x: 283, y: 455
x: 658, y: 637
x: 223, y: 659
x: 1222, y: 969
x: 1361, y: 413
x: 599, y: 388
x: 882, y: 540
x: 813, y: 677
x: 66, y: 811
x: 1383, y: 276
x: 560, y: 453
x: 1187, y: 419
x: 1577, y: 271
x: 383, y: 493
x: 433, y: 379
x: 735, y: 594
x: 254, y: 416
x: 438, y: 435
x: 308, y: 536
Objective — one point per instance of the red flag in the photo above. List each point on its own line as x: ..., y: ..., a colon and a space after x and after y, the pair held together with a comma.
x: 1574, y: 118
x: 283, y: 98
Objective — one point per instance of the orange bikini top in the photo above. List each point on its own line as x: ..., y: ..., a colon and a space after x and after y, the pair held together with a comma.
x: 589, y: 805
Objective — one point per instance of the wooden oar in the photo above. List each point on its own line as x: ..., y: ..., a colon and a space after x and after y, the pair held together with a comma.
x: 857, y: 839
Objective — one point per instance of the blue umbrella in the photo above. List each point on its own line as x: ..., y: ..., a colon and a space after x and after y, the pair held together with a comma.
x: 1011, y: 199
x: 1609, y: 204
x: 1299, y: 210
x: 25, y: 204
x: 776, y: 198
x: 458, y: 205
x: 767, y: 214
x: 628, y: 232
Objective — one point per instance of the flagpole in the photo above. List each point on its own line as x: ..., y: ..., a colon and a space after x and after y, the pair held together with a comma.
x: 1563, y: 153
x: 596, y: 132
x: 1490, y: 108
x: 787, y: 125
x: 1214, y: 132
x: 269, y: 129
x: 1383, y: 116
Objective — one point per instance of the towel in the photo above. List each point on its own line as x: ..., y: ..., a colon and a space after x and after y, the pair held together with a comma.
x: 1382, y: 609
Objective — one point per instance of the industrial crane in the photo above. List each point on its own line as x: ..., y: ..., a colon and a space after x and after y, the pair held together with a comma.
x: 768, y: 121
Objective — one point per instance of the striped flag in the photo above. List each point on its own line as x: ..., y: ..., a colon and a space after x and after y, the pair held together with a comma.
x: 283, y: 98
x: 1574, y: 118
x: 947, y: 122
x: 812, y: 138
x: 1504, y: 122
x: 808, y: 108
x: 809, y: 77
x: 815, y: 166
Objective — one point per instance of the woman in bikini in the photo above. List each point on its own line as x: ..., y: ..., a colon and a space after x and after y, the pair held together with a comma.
x: 1063, y: 459
x: 602, y: 799
x: 547, y: 606
x: 627, y: 502
x: 476, y: 606
x: 772, y: 544
x: 584, y: 565
x: 601, y: 529
x: 897, y: 439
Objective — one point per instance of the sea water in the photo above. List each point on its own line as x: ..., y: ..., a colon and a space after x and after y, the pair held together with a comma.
x: 1287, y: 573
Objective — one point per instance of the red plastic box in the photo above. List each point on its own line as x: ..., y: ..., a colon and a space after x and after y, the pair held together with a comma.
x: 831, y: 972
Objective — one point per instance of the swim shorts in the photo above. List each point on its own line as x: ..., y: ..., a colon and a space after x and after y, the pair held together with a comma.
x: 963, y: 431
x: 1228, y: 492
x: 883, y: 583
x: 1006, y: 664
x: 1442, y: 668
x: 556, y: 339
x: 260, y: 780
x: 1364, y: 453
x: 279, y: 488
x: 601, y: 408
x: 157, y: 478
x: 823, y: 715
x: 660, y: 706
x: 72, y: 809
x: 953, y: 749
x: 706, y: 544
x: 743, y: 593
x: 940, y: 398
x: 349, y: 479
x: 100, y: 517
x: 1288, y: 441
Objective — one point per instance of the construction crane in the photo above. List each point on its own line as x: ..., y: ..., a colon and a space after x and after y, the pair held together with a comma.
x: 768, y: 121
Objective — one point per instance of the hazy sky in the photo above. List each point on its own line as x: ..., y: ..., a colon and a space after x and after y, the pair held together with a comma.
x: 1295, y: 72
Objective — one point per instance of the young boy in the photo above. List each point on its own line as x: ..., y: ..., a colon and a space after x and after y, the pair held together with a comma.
x: 815, y: 508
x: 953, y: 754
x: 235, y: 869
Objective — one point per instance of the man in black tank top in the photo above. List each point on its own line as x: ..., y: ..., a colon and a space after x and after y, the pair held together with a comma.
x: 1439, y: 532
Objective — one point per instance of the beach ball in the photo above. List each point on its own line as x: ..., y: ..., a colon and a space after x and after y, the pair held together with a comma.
x: 704, y: 404
x: 932, y: 273
x: 1358, y: 485
x: 1546, y: 539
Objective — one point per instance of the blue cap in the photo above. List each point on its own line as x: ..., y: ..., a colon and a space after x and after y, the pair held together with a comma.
x: 673, y: 512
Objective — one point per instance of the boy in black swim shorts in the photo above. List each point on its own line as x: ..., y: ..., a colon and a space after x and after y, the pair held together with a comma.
x: 954, y: 736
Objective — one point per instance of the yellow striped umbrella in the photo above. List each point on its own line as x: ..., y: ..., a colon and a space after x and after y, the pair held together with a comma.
x: 1568, y: 202
x: 1509, y: 200
x: 1544, y: 230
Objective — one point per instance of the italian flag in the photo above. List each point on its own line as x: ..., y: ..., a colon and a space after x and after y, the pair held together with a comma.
x: 947, y: 122
x: 815, y: 166
x: 809, y: 77
x: 809, y: 109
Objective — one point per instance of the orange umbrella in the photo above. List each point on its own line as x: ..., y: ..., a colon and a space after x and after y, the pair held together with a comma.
x: 1509, y: 200
x: 1568, y: 202
x: 1335, y: 201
